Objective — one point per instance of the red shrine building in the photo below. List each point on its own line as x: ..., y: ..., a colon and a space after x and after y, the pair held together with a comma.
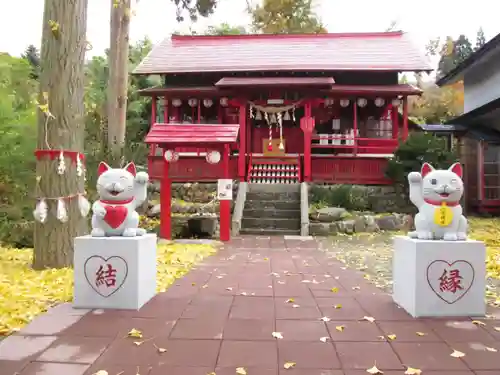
x: 276, y: 109
x: 326, y: 108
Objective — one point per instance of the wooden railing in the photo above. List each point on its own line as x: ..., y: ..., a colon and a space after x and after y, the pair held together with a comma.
x: 348, y: 170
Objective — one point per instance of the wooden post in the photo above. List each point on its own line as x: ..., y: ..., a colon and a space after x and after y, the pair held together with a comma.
x: 395, y: 122
x: 405, y: 118
x: 165, y: 203
x: 165, y: 110
x: 225, y: 205
x: 242, y: 144
x: 152, y: 148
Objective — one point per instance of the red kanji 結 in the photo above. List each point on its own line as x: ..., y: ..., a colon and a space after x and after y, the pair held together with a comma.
x: 450, y: 281
x: 105, y: 276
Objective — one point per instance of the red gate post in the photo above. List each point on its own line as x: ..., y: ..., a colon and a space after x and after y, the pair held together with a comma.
x: 165, y: 203
x: 242, y: 144
x: 225, y: 204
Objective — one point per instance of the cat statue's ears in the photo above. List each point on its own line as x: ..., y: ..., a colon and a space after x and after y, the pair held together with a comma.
x: 455, y: 168
x: 103, y: 167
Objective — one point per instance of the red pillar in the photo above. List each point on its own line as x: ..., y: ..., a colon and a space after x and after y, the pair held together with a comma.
x: 405, y: 118
x: 242, y: 144
x: 307, y: 125
x: 395, y: 122
x: 165, y: 111
x: 225, y: 205
x: 165, y: 204
x: 355, y: 125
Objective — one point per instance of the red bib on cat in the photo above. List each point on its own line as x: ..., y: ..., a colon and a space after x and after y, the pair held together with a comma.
x: 116, y: 212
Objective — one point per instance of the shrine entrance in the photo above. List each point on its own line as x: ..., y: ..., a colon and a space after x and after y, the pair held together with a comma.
x: 213, y: 140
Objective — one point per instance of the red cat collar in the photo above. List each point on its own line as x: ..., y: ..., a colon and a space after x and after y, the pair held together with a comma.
x: 125, y: 201
x: 438, y: 203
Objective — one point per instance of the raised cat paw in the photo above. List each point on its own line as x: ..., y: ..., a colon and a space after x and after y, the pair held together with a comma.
x: 130, y: 232
x: 424, y: 235
x: 98, y: 232
x: 414, y: 177
x: 141, y: 178
x: 450, y: 237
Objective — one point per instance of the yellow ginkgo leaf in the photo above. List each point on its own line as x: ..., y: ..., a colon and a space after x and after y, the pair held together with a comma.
x: 369, y: 319
x: 266, y: 258
x: 290, y: 300
x: 457, y: 354
x: 241, y: 371
x: 338, y: 306
x: 478, y: 323
x: 135, y: 333
x: 335, y: 290
x: 491, y: 349
x: 212, y: 373
x: 289, y: 365
x: 277, y: 335
x: 374, y: 370
x: 413, y: 371
x: 340, y: 328
x: 391, y: 337
x: 421, y: 334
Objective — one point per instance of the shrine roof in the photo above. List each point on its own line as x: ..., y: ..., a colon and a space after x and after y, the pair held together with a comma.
x: 274, y: 81
x: 403, y: 89
x: 192, y: 134
x: 382, y: 51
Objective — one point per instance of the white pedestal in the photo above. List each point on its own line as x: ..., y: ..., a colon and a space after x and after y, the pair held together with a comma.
x: 114, y: 272
x: 439, y: 278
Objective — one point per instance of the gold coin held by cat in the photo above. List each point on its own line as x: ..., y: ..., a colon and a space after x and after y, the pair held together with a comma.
x: 443, y: 215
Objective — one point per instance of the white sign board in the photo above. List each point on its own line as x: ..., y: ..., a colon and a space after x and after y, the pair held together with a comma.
x: 439, y: 278
x: 114, y: 272
x: 225, y: 189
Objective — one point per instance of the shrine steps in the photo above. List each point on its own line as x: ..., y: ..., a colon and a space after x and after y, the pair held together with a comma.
x: 272, y: 209
x: 268, y: 170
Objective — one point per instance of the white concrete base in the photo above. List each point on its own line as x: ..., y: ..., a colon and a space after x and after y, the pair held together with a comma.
x: 423, y: 277
x: 114, y: 272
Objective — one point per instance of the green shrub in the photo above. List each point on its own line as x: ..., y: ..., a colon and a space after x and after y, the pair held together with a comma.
x: 420, y: 147
x: 350, y: 197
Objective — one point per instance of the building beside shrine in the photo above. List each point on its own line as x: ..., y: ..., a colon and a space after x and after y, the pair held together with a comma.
x: 313, y: 107
x: 479, y: 126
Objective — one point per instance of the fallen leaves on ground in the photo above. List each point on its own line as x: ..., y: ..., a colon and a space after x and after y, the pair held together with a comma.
x: 26, y: 293
x: 374, y: 370
x: 413, y: 371
x: 277, y: 335
x: 421, y: 334
x: 324, y: 339
x: 241, y: 371
x: 289, y: 365
x: 391, y: 337
x: 368, y: 319
x: 340, y: 328
x: 457, y: 354
x: 135, y: 333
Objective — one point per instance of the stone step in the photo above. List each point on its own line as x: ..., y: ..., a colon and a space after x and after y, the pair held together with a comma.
x: 273, y: 188
x: 274, y: 196
x: 269, y: 232
x: 275, y: 205
x: 271, y: 223
x: 270, y: 212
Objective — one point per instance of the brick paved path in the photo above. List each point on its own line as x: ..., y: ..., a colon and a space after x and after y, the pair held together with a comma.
x: 221, y: 316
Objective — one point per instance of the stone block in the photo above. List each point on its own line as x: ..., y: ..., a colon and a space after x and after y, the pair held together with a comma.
x: 114, y: 272
x: 439, y: 278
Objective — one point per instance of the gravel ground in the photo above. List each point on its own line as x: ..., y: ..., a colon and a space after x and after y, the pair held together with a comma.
x: 372, y: 254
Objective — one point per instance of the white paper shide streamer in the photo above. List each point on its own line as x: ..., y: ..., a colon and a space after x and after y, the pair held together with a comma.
x: 79, y: 165
x: 41, y: 211
x: 61, y: 168
x: 83, y: 205
x: 62, y: 212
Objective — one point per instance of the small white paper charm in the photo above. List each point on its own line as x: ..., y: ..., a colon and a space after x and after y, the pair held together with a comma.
x: 79, y: 165
x: 41, y: 211
x: 61, y: 168
x: 62, y: 213
x: 83, y: 205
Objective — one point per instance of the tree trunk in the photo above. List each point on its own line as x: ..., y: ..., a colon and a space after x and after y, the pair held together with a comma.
x: 61, y: 88
x: 118, y: 77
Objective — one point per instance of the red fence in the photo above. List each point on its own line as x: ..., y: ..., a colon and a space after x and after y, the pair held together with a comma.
x: 349, y: 170
x: 192, y: 169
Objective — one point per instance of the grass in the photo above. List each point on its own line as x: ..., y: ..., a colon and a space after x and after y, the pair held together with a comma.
x: 25, y: 293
